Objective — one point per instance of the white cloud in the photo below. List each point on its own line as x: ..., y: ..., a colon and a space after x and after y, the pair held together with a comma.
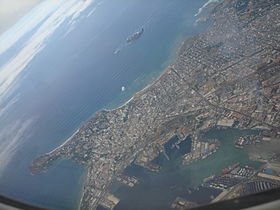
x: 12, y: 137
x: 27, y: 23
x: 51, y: 14
x: 7, y: 106
x: 54, y: 13
x: 13, y: 10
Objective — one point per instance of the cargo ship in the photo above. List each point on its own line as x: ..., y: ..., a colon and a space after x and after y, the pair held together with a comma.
x: 135, y: 36
x: 230, y: 168
x: 153, y: 167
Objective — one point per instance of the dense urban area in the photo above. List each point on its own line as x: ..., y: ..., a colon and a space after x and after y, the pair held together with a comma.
x: 225, y: 77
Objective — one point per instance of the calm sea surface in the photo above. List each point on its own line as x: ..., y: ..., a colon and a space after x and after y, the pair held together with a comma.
x: 77, y: 75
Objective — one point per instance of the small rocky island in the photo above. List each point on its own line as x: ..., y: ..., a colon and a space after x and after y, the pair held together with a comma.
x: 227, y: 76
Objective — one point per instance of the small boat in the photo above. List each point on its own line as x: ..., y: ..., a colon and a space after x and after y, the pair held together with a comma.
x: 117, y: 51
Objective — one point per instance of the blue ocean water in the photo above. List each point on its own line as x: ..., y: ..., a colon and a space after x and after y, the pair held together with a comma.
x: 78, y: 74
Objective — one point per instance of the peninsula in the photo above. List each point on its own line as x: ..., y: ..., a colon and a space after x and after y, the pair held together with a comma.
x: 227, y: 76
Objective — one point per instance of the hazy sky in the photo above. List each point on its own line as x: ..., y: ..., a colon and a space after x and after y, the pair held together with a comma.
x: 51, y: 14
x: 12, y: 10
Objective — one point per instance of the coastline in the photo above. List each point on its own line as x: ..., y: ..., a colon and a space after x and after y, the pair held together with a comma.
x: 174, y: 52
x: 123, y: 132
x: 66, y: 141
x: 141, y: 92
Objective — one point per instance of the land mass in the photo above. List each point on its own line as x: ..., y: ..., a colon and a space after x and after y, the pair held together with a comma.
x: 227, y: 76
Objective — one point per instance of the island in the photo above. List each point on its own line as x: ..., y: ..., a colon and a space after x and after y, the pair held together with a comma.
x: 227, y: 76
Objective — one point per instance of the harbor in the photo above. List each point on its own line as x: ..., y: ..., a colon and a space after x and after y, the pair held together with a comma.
x: 159, y: 190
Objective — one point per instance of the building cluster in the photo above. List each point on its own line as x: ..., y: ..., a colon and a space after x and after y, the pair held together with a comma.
x: 236, y: 181
x: 201, y: 150
x: 230, y: 176
x: 251, y: 181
